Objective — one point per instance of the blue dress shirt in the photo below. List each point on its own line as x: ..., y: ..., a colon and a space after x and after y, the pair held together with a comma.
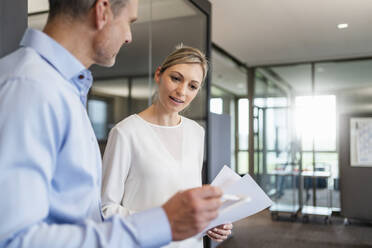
x: 50, y: 164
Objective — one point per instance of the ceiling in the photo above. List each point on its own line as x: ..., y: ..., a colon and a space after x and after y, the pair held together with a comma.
x: 261, y: 32
x: 256, y: 32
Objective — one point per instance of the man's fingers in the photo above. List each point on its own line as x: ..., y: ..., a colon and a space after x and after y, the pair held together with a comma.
x: 208, y: 191
x: 212, y: 204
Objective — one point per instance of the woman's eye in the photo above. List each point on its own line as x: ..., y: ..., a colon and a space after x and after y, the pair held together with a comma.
x: 175, y: 78
x: 193, y: 87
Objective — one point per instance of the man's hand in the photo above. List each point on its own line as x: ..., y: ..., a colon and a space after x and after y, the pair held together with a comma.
x: 190, y: 211
x: 220, y: 233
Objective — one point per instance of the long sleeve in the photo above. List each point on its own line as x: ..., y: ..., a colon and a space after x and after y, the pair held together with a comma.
x: 116, y: 165
x: 45, y: 201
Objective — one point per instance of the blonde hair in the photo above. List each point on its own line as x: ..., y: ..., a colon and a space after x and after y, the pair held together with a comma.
x: 185, y: 55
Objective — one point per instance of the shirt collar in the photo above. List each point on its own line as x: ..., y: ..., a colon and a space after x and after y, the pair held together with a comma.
x: 60, y: 58
x: 53, y: 52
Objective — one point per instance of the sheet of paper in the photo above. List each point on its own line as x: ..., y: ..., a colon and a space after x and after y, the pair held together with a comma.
x: 225, y: 178
x: 232, y: 183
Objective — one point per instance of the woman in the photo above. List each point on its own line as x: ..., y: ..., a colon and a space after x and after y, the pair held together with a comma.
x: 152, y: 155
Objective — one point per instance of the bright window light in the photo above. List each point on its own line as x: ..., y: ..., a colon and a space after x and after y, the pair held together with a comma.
x: 216, y: 105
x: 316, y: 120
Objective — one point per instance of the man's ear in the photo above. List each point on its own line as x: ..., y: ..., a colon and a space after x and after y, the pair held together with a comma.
x: 103, y: 13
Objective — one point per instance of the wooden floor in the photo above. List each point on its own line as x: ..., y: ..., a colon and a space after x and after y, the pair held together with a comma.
x: 260, y: 231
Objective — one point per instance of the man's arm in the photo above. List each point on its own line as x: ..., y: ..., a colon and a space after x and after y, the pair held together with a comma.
x: 30, y: 134
x: 28, y: 153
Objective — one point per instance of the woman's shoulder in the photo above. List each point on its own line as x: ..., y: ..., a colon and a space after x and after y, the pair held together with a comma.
x: 127, y: 125
x: 188, y: 123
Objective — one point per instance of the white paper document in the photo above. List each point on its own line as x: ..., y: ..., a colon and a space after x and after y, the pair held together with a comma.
x: 243, y: 197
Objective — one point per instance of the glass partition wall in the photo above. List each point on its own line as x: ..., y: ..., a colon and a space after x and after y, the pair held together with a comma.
x: 275, y: 164
x: 228, y: 89
x: 128, y: 86
x: 295, y: 129
x: 320, y: 93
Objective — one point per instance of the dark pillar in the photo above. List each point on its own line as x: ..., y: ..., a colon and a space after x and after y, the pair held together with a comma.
x: 251, y: 83
x: 13, y: 23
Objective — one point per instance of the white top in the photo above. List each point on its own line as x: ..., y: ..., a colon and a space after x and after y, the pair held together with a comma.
x: 145, y: 164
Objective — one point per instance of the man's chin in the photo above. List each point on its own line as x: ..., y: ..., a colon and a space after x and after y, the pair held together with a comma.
x: 107, y: 63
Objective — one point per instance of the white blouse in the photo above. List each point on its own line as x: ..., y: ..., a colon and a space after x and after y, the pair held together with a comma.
x: 145, y: 164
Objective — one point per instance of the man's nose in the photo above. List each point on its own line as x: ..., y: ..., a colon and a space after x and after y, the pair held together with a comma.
x: 128, y: 39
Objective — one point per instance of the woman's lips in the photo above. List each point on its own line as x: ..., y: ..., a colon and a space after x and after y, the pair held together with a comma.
x: 176, y: 100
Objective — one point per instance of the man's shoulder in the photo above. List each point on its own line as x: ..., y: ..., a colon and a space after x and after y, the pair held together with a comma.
x: 26, y: 71
x: 26, y: 63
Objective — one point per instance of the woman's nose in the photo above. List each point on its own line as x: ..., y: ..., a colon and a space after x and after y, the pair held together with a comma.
x: 181, y: 89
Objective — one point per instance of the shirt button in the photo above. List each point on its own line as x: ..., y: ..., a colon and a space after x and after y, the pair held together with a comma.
x: 81, y: 76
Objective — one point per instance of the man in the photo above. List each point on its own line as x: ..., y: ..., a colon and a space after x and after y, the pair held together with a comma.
x: 49, y: 158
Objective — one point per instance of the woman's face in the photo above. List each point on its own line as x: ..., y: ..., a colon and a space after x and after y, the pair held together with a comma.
x: 178, y: 86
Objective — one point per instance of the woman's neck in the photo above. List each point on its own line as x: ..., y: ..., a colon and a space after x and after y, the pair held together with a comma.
x: 157, y: 115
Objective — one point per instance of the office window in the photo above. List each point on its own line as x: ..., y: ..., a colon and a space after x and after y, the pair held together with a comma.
x: 216, y: 105
x: 243, y: 113
x: 316, y: 119
x: 97, y: 110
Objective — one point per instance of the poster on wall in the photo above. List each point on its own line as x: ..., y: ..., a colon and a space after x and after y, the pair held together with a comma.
x: 361, y: 142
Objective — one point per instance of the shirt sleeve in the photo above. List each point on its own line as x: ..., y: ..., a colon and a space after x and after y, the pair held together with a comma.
x: 116, y: 165
x: 31, y: 132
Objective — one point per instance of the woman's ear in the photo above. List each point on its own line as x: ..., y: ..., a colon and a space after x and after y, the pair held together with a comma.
x: 157, y: 75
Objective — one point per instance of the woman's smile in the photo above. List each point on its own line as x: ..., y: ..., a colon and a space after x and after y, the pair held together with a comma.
x: 176, y: 100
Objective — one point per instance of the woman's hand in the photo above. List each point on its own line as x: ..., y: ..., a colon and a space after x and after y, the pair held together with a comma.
x: 220, y: 233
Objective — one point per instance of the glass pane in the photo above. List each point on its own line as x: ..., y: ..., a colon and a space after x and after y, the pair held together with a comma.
x: 277, y: 136
x: 297, y: 77
x: 197, y: 108
x: 228, y: 82
x: 260, y: 128
x: 307, y: 161
x: 243, y: 123
x: 343, y: 76
x: 227, y: 75
x: 276, y: 161
x: 316, y: 119
x: 115, y: 92
x: 304, y: 118
x: 35, y: 6
x: 242, y: 162
x: 325, y: 123
x: 327, y: 161
x: 141, y: 94
x: 97, y: 110
x: 38, y: 13
x: 216, y: 105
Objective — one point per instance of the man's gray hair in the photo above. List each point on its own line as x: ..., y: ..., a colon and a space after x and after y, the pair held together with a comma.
x: 77, y: 8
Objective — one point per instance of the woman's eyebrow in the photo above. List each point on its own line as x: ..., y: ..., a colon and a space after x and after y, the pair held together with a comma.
x: 180, y: 74
x: 196, y: 81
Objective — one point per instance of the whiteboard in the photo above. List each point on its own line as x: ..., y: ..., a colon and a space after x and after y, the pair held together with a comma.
x: 361, y: 142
